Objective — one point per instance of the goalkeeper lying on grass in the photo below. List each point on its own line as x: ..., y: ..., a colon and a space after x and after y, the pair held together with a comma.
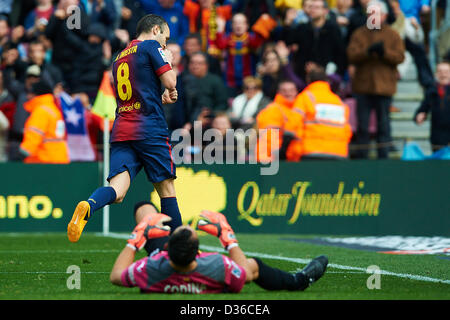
x: 175, y: 265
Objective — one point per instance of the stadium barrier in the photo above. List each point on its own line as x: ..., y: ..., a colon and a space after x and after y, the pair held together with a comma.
x: 385, y: 197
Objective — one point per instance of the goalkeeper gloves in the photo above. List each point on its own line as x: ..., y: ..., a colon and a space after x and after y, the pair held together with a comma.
x: 217, y: 225
x: 149, y: 228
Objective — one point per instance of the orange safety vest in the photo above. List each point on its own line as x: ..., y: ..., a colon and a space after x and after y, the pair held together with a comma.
x: 327, y: 131
x: 45, y: 131
x: 279, y: 115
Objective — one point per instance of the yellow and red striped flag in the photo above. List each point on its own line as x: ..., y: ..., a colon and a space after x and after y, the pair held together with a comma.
x: 105, y: 102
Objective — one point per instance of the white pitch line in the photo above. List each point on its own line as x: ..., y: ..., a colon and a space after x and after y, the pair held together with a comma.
x: 49, y: 272
x: 306, y: 261
x: 257, y: 255
x: 58, y: 251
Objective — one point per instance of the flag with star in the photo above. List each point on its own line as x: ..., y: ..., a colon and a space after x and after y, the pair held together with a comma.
x: 80, y: 146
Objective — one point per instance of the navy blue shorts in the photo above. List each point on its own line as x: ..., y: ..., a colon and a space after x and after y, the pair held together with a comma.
x: 155, y: 155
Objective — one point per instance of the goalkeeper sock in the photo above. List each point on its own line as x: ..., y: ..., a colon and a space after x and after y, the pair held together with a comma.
x: 169, y: 206
x: 102, y: 197
x: 275, y: 279
x: 157, y: 243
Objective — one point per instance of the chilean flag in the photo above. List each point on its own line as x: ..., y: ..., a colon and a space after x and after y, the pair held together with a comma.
x: 80, y: 146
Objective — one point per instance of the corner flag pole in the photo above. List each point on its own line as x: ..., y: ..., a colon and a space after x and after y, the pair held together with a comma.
x: 105, y: 172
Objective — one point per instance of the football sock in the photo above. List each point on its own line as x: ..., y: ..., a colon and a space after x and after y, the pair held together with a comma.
x: 102, y: 197
x: 157, y: 243
x: 275, y: 279
x: 169, y: 206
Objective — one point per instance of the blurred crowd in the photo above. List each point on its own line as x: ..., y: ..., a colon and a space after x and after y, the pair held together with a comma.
x: 322, y: 72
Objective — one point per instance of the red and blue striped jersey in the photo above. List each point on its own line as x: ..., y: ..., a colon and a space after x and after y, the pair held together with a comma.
x: 136, y: 71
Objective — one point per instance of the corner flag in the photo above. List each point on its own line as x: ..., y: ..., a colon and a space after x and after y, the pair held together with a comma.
x: 105, y: 102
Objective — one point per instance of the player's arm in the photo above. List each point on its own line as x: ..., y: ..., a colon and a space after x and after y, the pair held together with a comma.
x: 149, y: 228
x: 123, y: 261
x: 166, y: 74
x: 169, y: 80
x: 217, y: 225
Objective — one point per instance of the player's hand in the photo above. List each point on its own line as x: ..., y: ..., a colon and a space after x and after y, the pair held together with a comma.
x: 169, y: 96
x: 173, y: 95
x: 149, y: 228
x: 169, y: 56
x: 217, y: 225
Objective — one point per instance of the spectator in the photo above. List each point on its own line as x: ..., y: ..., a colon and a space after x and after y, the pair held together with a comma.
x: 240, y: 48
x: 274, y: 68
x: 4, y: 32
x: 172, y: 12
x: 4, y: 126
x: 13, y: 67
x: 130, y: 14
x: 247, y: 105
x: 7, y: 106
x: 326, y: 130
x: 280, y: 115
x: 319, y: 42
x: 118, y: 42
x: 303, y: 15
x: 19, y: 11
x: 375, y: 54
x: 43, y: 140
x: 101, y: 11
x: 254, y: 9
x: 175, y: 113
x: 437, y: 102
x: 49, y: 73
x: 193, y: 44
x: 5, y: 95
x: 205, y: 92
x: 222, y: 148
x: 20, y: 93
x: 6, y: 7
x: 414, y: 39
x: 202, y: 17
x: 38, y: 18
x: 61, y: 36
x: 91, y: 61
x: 359, y: 16
x: 343, y: 11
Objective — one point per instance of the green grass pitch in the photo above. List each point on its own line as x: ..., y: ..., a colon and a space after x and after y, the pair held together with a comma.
x: 34, y: 266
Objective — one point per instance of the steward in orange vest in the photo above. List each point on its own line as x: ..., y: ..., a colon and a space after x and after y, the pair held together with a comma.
x: 326, y: 131
x: 280, y: 115
x: 44, y: 138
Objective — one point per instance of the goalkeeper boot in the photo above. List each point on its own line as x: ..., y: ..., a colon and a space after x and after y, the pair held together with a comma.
x: 79, y: 219
x: 313, y: 271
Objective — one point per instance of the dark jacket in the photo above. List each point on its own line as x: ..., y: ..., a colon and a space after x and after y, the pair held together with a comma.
x: 88, y: 62
x: 63, y: 49
x: 321, y: 46
x: 105, y: 15
x: 437, y: 102
x: 207, y: 92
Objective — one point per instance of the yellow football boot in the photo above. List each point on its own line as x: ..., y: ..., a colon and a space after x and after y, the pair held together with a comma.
x: 79, y: 220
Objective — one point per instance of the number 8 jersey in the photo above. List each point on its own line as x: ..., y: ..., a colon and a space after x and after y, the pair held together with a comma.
x: 136, y: 71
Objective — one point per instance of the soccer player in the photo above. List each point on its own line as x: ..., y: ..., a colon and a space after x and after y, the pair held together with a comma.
x: 180, y: 268
x: 140, y: 136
